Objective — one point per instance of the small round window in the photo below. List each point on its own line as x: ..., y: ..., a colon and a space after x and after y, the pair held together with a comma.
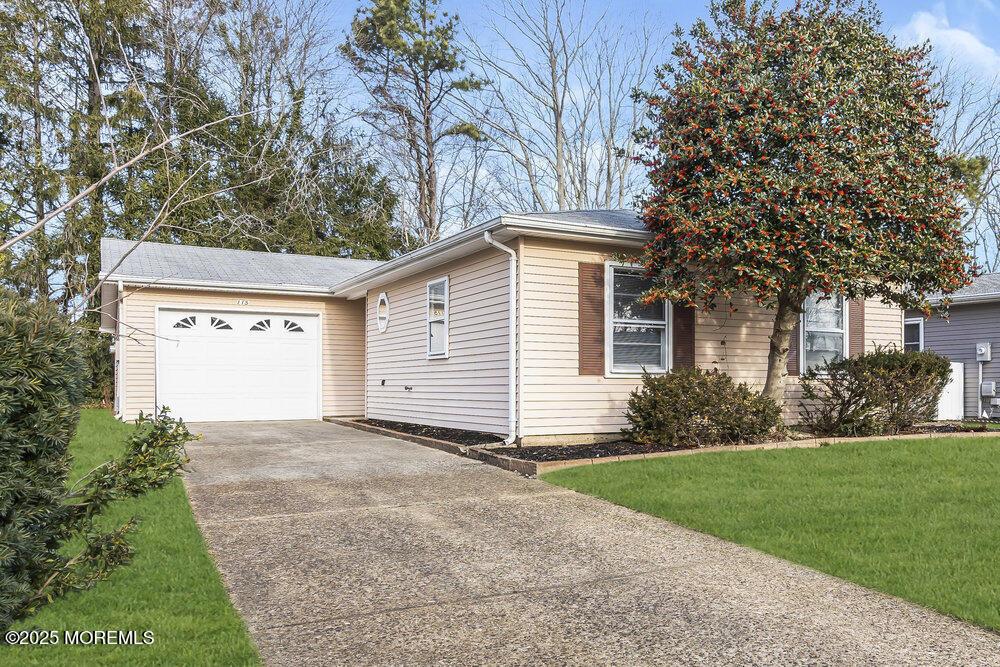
x: 382, y: 312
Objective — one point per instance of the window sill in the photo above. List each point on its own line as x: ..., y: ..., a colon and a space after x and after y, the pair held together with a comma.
x: 610, y: 374
x: 438, y: 356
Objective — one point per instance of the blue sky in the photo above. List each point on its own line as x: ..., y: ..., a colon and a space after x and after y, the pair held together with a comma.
x: 966, y: 30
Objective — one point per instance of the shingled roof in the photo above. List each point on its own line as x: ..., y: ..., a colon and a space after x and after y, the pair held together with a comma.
x: 599, y: 218
x: 164, y: 263
x: 168, y: 263
x: 984, y: 288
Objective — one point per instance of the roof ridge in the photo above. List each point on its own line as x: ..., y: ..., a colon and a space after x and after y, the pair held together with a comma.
x: 577, y: 210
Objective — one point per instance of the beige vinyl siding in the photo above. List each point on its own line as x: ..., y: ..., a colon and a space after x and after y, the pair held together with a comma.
x: 883, y: 324
x: 343, y: 341
x: 468, y: 389
x: 556, y: 399
x: 736, y: 341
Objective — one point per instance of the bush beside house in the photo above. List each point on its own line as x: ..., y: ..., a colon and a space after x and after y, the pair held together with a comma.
x: 697, y: 408
x: 883, y: 392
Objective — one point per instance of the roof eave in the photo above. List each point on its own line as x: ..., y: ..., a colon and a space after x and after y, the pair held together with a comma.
x: 429, y: 255
x: 988, y: 297
x: 507, y: 226
x: 224, y: 286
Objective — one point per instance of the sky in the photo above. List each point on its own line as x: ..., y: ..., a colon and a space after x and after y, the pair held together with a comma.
x: 966, y: 30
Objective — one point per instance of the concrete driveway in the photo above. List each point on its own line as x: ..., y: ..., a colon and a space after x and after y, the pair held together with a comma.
x: 344, y: 547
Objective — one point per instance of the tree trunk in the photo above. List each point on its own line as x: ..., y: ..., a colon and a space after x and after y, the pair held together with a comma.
x: 558, y: 129
x: 428, y: 189
x: 169, y: 71
x: 38, y: 187
x: 785, y: 319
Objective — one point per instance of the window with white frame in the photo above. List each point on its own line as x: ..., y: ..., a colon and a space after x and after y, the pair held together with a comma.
x: 437, y: 318
x: 824, y: 330
x: 636, y: 332
x: 913, y: 334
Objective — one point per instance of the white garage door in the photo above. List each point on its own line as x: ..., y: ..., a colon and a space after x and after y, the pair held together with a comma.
x: 228, y: 366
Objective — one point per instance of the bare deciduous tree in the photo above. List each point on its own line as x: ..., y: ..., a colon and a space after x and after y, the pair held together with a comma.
x: 559, y: 108
x: 969, y: 126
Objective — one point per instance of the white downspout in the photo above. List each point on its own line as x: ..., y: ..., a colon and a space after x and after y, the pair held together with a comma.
x: 511, y: 337
x: 979, y: 391
x: 120, y: 357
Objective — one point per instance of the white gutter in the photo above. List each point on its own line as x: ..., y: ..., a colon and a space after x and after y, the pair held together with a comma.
x: 986, y: 297
x: 218, y: 286
x: 511, y: 337
x: 531, y: 224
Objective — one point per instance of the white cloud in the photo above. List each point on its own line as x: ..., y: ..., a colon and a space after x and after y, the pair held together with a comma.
x: 950, y: 42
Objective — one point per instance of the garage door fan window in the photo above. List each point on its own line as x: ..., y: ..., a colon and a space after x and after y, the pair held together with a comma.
x: 186, y: 322
x: 220, y: 324
x: 292, y: 327
x: 437, y: 318
x: 263, y: 325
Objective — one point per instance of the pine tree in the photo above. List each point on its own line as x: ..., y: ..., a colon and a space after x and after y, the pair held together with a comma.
x: 405, y: 54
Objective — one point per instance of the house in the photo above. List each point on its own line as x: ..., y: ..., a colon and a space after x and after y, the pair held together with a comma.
x: 527, y: 326
x: 973, y: 322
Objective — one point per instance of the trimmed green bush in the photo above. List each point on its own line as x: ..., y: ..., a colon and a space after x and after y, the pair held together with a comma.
x: 696, y: 408
x: 42, y: 384
x: 883, y: 392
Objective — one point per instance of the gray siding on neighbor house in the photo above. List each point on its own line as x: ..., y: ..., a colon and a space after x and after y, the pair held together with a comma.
x: 956, y: 339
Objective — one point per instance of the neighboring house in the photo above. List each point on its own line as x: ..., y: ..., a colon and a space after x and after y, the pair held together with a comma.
x: 426, y: 338
x: 973, y: 319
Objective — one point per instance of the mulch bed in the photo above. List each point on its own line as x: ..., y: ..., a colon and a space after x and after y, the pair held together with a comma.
x: 456, y: 435
x: 569, y: 452
x: 952, y: 427
x: 626, y: 447
x: 541, y: 453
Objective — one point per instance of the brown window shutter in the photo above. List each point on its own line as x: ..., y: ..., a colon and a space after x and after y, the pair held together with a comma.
x: 856, y: 326
x: 683, y: 336
x: 591, y: 323
x: 793, y: 349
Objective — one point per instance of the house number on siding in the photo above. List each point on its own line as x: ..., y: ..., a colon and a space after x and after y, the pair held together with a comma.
x: 242, y: 302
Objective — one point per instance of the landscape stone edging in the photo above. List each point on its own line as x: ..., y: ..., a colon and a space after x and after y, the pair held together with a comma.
x: 535, y: 468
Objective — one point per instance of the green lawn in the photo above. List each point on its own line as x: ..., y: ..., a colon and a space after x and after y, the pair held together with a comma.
x: 919, y: 519
x: 171, y: 587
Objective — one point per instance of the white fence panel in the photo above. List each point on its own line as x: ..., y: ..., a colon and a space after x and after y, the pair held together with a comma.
x: 952, y: 403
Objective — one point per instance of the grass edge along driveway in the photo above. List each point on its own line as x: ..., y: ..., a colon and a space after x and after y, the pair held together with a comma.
x: 918, y: 519
x: 171, y: 587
